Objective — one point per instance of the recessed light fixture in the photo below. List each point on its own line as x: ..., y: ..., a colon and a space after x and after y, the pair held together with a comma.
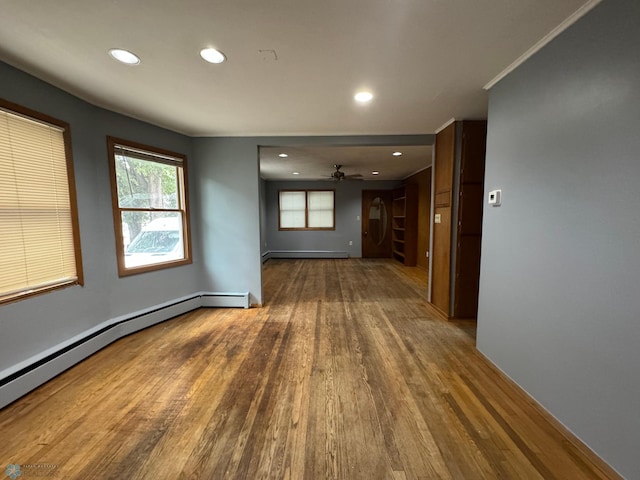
x: 283, y: 155
x: 375, y: 172
x: 212, y: 55
x: 295, y: 173
x: 363, y: 97
x: 124, y: 56
x: 396, y: 154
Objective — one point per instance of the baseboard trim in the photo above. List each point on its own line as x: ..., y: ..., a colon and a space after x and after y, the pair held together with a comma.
x: 307, y: 254
x: 598, y: 463
x: 25, y: 376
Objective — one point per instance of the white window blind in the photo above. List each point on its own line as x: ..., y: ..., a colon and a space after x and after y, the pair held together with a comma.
x: 306, y: 209
x: 320, y: 209
x: 38, y: 244
x: 292, y: 209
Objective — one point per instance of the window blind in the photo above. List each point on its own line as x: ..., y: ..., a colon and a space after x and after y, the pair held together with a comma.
x: 37, y: 248
x: 320, y: 209
x: 292, y: 209
x: 306, y: 209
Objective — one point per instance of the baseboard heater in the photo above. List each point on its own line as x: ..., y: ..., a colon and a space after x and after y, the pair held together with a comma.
x: 307, y: 254
x: 219, y: 299
x: 33, y: 372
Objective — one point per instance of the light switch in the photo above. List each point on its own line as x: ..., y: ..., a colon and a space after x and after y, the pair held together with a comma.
x: 495, y: 198
x: 437, y: 218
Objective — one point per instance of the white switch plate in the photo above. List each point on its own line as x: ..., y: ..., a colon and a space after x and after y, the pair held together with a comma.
x: 495, y: 198
x: 437, y: 218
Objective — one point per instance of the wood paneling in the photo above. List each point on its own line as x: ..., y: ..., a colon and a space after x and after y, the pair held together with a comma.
x: 457, y: 238
x: 469, y: 221
x: 443, y: 198
x: 347, y: 373
x: 423, y: 181
x: 443, y: 181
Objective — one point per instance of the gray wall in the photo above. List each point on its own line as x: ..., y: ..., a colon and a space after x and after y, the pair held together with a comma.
x: 559, y: 294
x: 31, y: 326
x: 228, y: 212
x: 348, y: 205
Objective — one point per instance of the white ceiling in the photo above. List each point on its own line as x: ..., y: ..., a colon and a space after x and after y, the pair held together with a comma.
x: 426, y: 61
x: 318, y: 162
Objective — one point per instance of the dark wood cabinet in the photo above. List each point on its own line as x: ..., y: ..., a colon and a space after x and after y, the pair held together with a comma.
x: 458, y: 200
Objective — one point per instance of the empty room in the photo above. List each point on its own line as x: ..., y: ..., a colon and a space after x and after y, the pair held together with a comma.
x: 347, y: 240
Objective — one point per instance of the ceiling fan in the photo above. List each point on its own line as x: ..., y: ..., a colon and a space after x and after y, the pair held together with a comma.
x: 339, y: 175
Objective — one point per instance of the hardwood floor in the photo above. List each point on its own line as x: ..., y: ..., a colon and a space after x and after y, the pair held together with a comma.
x: 346, y: 373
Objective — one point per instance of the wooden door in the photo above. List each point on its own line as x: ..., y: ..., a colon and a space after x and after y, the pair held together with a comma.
x: 441, y: 252
x: 376, y: 224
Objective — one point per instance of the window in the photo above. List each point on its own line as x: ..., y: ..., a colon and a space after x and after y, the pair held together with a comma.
x: 150, y: 207
x: 306, y: 210
x: 40, y: 247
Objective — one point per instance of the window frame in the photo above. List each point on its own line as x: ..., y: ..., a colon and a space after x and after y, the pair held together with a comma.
x: 306, y: 210
x: 123, y: 271
x: 43, y: 118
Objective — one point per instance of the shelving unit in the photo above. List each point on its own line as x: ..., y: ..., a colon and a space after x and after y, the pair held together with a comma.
x: 404, y: 224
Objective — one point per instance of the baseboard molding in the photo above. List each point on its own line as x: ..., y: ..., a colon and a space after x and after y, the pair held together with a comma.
x: 38, y: 369
x: 307, y: 254
x: 266, y: 256
x: 607, y: 470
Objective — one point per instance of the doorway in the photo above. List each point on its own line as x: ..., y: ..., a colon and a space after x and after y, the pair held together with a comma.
x: 376, y: 224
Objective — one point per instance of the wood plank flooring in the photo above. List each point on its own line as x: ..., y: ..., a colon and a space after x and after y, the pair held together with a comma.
x: 346, y: 373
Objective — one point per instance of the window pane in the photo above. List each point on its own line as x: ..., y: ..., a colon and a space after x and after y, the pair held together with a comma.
x: 146, y: 184
x: 307, y: 209
x: 292, y: 219
x: 321, y: 219
x: 320, y: 210
x: 292, y: 209
x: 153, y: 237
x: 150, y: 208
x: 292, y: 201
x: 320, y: 201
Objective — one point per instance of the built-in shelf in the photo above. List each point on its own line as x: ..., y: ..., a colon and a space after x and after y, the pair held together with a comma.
x: 405, y: 224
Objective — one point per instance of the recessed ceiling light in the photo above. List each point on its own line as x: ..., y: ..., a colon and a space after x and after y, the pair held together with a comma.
x: 212, y: 55
x: 375, y: 172
x: 363, y: 97
x: 397, y: 154
x: 283, y: 155
x: 295, y: 173
x: 124, y: 56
